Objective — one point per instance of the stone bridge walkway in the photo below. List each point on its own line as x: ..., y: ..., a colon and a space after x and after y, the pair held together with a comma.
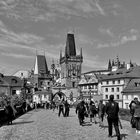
x: 46, y: 125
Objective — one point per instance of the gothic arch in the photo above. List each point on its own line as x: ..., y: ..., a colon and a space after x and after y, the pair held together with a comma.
x: 60, y: 94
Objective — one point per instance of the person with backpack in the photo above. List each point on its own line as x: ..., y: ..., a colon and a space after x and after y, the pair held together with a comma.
x: 92, y: 111
x: 112, y: 110
x: 80, y: 110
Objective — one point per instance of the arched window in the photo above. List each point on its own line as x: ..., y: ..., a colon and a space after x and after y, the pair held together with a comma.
x: 14, y: 81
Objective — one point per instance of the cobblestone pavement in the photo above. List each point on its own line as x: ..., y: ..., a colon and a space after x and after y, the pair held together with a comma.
x: 46, y: 125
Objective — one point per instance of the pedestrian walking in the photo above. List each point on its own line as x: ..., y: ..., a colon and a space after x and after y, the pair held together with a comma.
x: 35, y: 106
x: 61, y: 108
x: 137, y: 115
x: 92, y: 111
x: 101, y: 112
x: 112, y: 110
x: 67, y: 108
x: 9, y: 112
x: 132, y: 106
x: 80, y: 110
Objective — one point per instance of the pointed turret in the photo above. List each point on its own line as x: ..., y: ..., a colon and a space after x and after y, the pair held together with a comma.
x: 81, y: 54
x: 109, y: 65
x: 70, y: 49
x: 118, y: 61
x: 41, y: 65
x: 131, y: 64
x: 113, y: 63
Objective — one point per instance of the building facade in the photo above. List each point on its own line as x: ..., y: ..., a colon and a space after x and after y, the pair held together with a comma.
x: 115, y: 82
x: 10, y: 85
x: 89, y: 86
x: 22, y: 74
x: 131, y: 91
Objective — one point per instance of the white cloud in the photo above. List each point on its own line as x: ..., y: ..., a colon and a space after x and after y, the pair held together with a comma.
x: 49, y: 10
x: 21, y: 56
x: 106, y: 31
x: 18, y: 37
x: 129, y: 36
x: 93, y: 62
x: 84, y: 40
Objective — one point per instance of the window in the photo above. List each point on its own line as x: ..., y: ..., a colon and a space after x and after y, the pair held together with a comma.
x: 106, y: 96
x: 73, y: 84
x: 118, y: 89
x: 118, y: 81
x: 14, y: 81
x: 118, y: 97
x: 113, y: 82
x: 13, y: 92
x: 127, y: 105
x: 112, y: 89
x: 107, y: 82
x: 106, y: 89
x: 41, y: 83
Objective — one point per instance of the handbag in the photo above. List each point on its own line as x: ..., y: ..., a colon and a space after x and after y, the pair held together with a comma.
x: 133, y: 122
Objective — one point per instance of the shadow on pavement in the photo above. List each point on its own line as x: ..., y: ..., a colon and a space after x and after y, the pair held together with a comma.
x: 16, y: 123
x: 105, y: 126
x: 123, y: 136
x: 86, y: 124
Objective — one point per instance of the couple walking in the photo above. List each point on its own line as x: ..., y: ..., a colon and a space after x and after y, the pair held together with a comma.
x: 64, y: 108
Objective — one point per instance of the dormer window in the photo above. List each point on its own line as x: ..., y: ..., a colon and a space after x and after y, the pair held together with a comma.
x: 14, y: 81
x: 137, y: 84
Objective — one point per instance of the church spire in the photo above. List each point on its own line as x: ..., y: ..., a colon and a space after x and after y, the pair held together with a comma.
x: 109, y: 65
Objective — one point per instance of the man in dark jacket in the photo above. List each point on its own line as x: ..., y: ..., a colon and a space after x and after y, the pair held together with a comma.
x: 80, y: 109
x: 61, y: 108
x: 67, y: 108
x: 112, y: 110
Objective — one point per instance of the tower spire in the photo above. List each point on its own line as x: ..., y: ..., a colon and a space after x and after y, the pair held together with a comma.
x: 109, y: 65
x: 60, y: 54
x: 81, y: 53
x: 70, y: 49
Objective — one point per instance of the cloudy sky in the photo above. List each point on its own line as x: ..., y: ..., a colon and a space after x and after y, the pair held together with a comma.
x: 103, y: 28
